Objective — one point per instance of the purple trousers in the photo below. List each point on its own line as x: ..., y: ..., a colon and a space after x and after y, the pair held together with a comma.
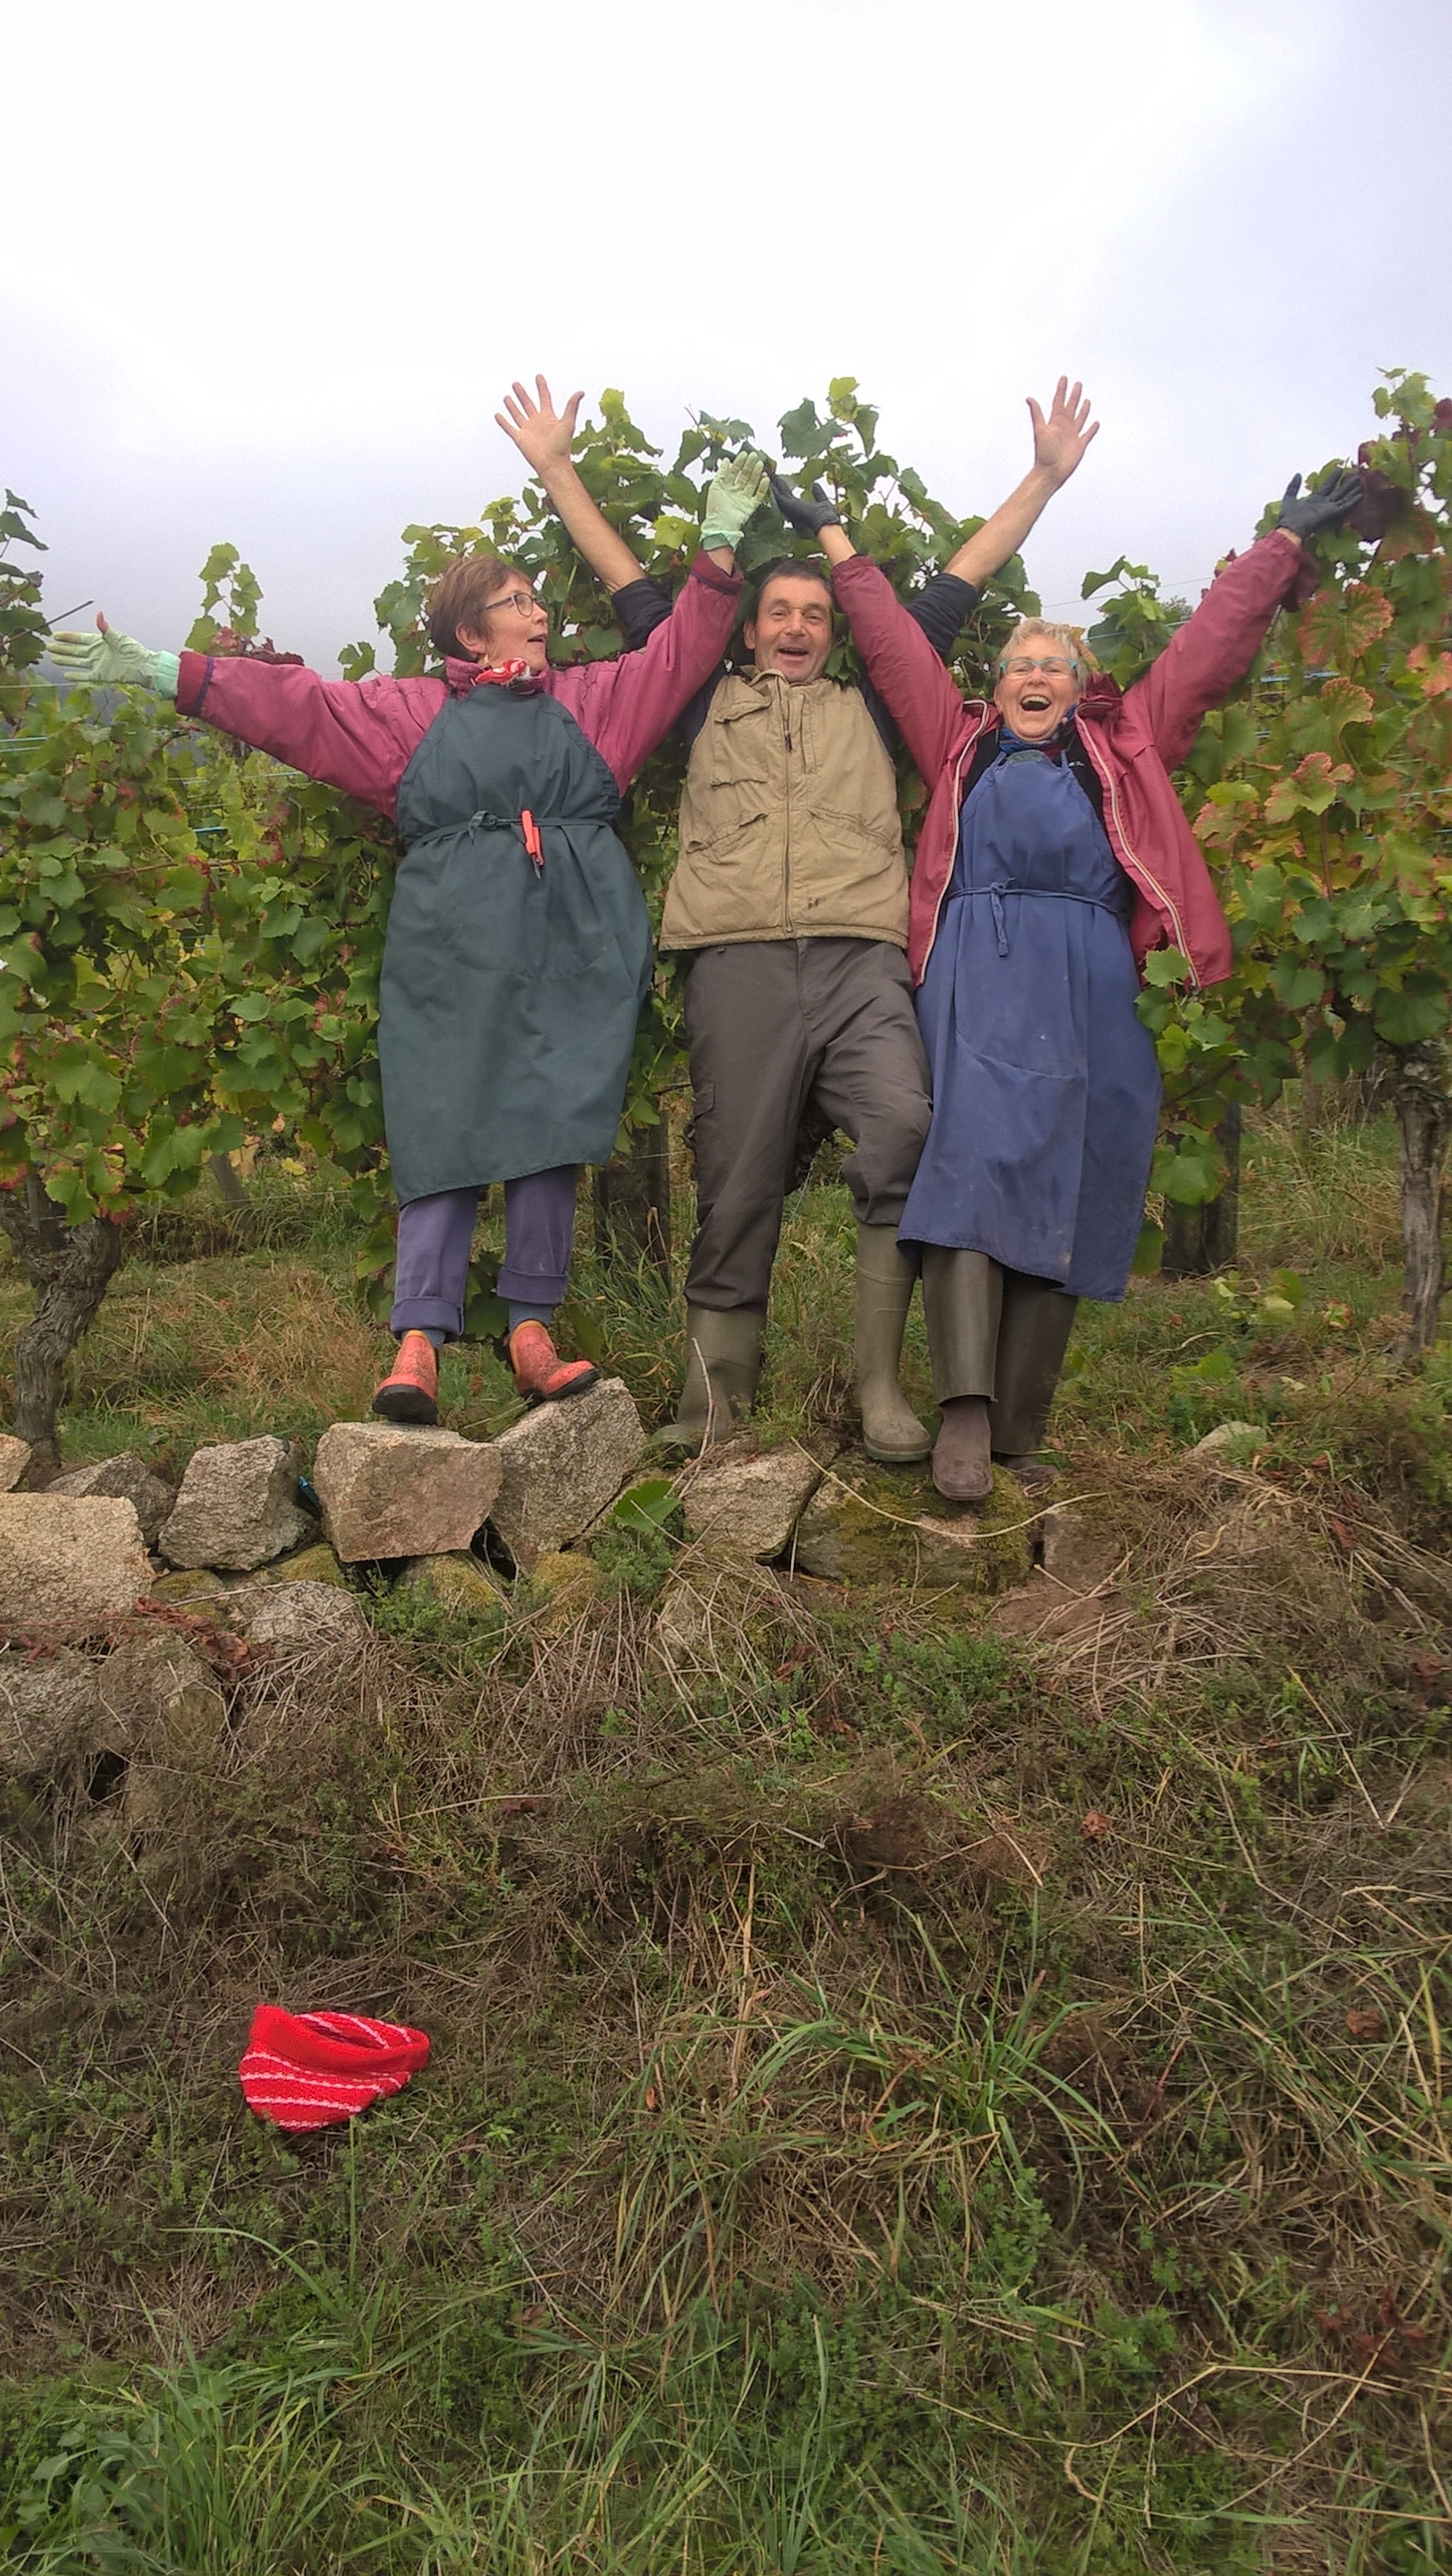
x: 431, y: 1270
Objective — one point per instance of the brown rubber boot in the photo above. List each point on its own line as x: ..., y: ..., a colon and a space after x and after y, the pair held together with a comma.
x: 962, y: 1464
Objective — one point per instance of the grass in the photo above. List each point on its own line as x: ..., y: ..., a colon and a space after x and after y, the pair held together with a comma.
x: 834, y: 2157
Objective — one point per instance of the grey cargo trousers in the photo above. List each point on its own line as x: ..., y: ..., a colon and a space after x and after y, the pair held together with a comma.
x: 779, y: 1028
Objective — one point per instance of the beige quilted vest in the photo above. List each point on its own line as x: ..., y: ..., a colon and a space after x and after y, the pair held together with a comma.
x: 789, y: 822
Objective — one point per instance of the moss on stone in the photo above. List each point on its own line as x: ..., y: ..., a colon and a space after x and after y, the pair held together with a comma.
x: 871, y: 1526
x: 459, y: 1584
x: 561, y: 1582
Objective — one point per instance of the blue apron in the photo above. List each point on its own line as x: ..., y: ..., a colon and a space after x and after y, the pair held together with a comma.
x: 1046, y: 1090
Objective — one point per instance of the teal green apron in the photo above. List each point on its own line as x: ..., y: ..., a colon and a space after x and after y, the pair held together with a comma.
x: 511, y: 987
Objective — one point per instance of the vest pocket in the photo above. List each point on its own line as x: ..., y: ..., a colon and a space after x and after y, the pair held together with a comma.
x: 739, y: 745
x: 880, y: 834
x: 734, y: 812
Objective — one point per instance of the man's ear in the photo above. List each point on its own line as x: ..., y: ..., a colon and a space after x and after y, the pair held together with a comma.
x: 748, y: 635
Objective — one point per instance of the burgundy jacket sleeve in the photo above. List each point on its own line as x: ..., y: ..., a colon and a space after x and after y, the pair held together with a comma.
x: 902, y: 665
x: 626, y: 707
x: 357, y: 735
x: 1214, y: 649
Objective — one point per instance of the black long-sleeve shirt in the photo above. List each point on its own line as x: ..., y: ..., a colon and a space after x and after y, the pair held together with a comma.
x: 941, y: 609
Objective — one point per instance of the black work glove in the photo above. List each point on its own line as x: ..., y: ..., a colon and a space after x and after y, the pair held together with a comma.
x: 808, y: 516
x: 1325, y: 506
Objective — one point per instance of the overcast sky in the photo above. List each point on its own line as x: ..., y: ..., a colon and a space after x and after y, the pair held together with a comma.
x: 265, y: 272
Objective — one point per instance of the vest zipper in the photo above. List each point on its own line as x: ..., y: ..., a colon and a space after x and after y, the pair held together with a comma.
x: 786, y: 872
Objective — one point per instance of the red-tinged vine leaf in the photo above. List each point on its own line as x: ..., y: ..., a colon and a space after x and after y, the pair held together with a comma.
x: 522, y: 1806
x: 1364, y: 2023
x: 1434, y: 673
x: 1345, y: 702
x: 1340, y: 629
x: 1342, y: 1535
x: 1311, y: 787
x: 1096, y: 1825
x: 1368, y: 615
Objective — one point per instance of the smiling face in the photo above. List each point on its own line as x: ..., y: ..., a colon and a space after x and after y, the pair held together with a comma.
x: 791, y: 631
x: 515, y: 628
x: 1033, y: 700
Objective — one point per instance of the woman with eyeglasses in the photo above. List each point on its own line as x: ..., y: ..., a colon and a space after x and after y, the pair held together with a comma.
x: 518, y: 950
x: 1054, y: 856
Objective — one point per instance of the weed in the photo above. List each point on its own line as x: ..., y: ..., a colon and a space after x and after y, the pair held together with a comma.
x: 900, y: 2099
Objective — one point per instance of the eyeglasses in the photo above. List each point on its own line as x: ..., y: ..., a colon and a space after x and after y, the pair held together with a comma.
x: 1042, y: 662
x: 523, y: 600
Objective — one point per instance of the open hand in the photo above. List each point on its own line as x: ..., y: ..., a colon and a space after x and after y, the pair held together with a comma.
x: 733, y: 499
x: 1325, y: 505
x: 543, y: 435
x: 809, y: 518
x: 1060, y: 441
x: 107, y: 659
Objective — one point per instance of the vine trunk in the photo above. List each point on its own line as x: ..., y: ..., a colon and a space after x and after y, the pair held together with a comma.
x: 1424, y: 1124
x: 70, y: 1268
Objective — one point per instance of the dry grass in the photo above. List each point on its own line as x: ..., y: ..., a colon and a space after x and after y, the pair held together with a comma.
x: 807, y: 2077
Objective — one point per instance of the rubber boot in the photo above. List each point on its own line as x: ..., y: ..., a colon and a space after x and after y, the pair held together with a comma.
x: 539, y: 1371
x: 410, y: 1392
x: 1033, y: 1335
x: 723, y: 1367
x: 891, y: 1430
x: 962, y: 1464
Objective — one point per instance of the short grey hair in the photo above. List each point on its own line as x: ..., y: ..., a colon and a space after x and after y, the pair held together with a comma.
x: 1069, y: 639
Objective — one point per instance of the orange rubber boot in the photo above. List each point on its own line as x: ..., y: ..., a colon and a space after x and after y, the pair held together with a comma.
x: 410, y: 1392
x: 539, y: 1372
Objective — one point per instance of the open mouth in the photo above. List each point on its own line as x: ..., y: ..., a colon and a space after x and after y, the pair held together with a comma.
x: 1037, y: 705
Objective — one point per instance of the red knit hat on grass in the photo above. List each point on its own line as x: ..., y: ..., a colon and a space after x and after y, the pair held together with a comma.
x: 308, y: 2070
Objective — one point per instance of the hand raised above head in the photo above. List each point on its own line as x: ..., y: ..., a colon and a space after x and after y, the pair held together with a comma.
x: 733, y: 497
x: 1324, y: 506
x: 1060, y: 441
x: 543, y: 435
x: 808, y: 517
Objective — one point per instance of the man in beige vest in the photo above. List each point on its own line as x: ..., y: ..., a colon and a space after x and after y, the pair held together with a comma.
x: 790, y: 896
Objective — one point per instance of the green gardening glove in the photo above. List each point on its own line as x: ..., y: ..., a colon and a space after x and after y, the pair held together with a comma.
x: 734, y: 498
x: 109, y: 660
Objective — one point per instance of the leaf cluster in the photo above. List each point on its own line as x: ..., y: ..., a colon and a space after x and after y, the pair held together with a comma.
x: 189, y: 950
x: 1321, y: 794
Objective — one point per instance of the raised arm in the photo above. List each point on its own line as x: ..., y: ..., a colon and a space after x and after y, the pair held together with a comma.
x: 627, y: 706
x: 1206, y: 657
x: 544, y: 438
x: 356, y: 736
x: 901, y: 663
x: 1059, y: 446
x: 1060, y: 442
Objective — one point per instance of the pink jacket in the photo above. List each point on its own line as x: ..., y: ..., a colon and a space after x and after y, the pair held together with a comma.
x: 1134, y: 741
x: 360, y: 735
